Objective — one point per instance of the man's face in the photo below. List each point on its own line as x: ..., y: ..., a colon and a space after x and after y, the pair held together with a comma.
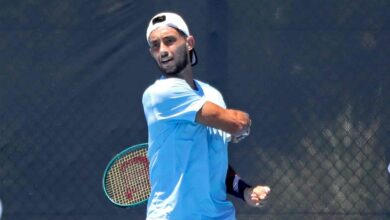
x: 169, y: 49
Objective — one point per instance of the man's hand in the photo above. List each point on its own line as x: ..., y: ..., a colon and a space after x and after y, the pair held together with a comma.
x: 256, y: 196
x: 235, y: 138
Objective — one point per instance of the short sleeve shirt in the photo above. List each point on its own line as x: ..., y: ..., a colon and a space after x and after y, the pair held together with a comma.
x: 188, y: 161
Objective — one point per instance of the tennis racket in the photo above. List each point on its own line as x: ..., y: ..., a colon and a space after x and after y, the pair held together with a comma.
x: 126, y: 177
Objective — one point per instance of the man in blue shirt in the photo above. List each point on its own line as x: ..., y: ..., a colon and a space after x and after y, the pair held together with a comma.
x: 189, y: 128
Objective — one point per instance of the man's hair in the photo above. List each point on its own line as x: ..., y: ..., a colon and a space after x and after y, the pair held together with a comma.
x: 180, y: 32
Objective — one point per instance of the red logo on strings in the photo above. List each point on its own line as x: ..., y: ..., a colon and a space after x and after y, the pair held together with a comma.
x: 133, y: 161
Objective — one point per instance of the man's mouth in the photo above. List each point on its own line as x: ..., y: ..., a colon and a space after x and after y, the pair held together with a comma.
x: 166, y: 60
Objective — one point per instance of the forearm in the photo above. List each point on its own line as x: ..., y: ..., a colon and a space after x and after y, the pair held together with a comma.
x: 253, y: 196
x: 234, y: 184
x: 228, y: 120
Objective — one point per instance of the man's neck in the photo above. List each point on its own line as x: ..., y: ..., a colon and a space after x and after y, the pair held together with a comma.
x: 186, y: 74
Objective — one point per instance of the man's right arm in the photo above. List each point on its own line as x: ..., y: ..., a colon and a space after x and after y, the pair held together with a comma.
x: 235, y: 122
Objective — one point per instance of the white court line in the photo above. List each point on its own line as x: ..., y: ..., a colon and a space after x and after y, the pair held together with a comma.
x: 388, y: 168
x: 1, y: 208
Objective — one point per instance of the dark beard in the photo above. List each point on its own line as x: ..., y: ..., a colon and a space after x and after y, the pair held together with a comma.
x: 180, y: 64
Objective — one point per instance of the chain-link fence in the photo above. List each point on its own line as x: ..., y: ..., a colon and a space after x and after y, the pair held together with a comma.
x: 313, y: 75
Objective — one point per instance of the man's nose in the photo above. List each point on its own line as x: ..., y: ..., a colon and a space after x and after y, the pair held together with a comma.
x: 163, y: 54
x: 163, y: 50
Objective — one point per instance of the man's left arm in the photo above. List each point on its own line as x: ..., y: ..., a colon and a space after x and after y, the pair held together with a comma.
x: 253, y: 195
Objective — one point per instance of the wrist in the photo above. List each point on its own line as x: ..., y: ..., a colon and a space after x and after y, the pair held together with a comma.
x: 240, y: 188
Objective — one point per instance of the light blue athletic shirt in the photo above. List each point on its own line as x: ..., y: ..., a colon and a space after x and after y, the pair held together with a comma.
x: 188, y: 161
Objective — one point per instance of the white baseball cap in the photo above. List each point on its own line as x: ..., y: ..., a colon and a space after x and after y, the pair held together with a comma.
x: 171, y: 20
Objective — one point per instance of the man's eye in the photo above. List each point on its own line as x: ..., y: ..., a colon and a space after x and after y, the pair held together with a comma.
x: 154, y: 45
x: 169, y: 41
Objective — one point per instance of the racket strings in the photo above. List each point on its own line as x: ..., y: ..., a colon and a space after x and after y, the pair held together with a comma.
x: 127, y: 181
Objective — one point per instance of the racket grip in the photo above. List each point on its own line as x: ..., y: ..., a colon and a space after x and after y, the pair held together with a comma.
x: 235, y: 138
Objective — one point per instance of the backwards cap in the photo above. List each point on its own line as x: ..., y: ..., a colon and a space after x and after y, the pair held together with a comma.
x: 171, y: 20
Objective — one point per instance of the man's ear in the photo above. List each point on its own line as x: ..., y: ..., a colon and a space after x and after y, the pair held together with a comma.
x: 190, y: 42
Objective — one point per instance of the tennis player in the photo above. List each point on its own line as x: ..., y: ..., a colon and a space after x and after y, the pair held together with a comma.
x: 189, y: 128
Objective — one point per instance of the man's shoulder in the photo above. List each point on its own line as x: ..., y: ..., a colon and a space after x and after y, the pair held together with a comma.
x: 207, y: 87
x: 204, y: 85
x: 167, y: 87
x: 158, y: 85
x: 167, y: 83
